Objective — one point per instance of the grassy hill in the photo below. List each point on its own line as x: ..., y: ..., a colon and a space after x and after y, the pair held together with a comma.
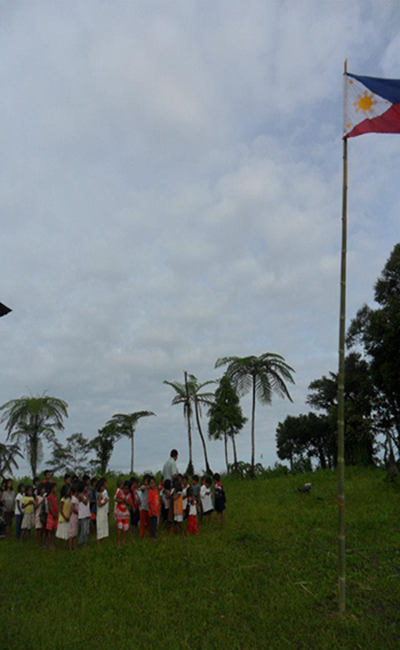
x: 267, y: 580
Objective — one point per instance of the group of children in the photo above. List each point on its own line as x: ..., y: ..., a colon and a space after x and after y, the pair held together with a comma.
x: 84, y: 505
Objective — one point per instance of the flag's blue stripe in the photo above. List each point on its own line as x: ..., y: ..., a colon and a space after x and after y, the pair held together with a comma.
x: 387, y: 88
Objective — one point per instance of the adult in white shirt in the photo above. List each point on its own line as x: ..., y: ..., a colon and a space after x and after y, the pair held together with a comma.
x: 170, y: 469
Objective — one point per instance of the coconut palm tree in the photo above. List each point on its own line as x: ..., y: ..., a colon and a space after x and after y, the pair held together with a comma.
x: 191, y: 396
x: 263, y: 376
x: 30, y: 419
x: 126, y: 426
x: 183, y: 397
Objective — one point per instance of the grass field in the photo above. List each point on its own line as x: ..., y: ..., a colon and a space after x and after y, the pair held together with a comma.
x: 267, y: 580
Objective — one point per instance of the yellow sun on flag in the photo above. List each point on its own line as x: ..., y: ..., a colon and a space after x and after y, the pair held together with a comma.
x: 365, y: 103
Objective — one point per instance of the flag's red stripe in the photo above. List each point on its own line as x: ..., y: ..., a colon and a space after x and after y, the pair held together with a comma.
x: 388, y: 122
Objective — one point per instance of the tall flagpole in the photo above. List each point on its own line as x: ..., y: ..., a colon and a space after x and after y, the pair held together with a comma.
x: 341, y: 379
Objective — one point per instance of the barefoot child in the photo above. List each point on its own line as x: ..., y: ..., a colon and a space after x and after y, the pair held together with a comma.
x: 64, y: 526
x: 52, y: 516
x: 40, y: 529
x: 18, y: 510
x: 135, y: 503
x: 102, y: 511
x: 206, y: 499
x: 166, y: 503
x: 73, y: 519
x: 121, y: 512
x: 144, y: 506
x: 178, y: 507
x: 153, y: 502
x: 28, y: 508
x: 219, y: 498
x: 192, y: 527
x: 84, y: 512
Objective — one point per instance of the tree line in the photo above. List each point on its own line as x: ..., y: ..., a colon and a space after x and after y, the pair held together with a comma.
x: 29, y: 421
x: 372, y: 390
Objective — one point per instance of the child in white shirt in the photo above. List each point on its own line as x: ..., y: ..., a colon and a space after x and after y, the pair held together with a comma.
x: 206, y: 499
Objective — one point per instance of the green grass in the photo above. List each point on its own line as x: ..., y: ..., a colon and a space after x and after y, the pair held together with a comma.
x: 267, y: 580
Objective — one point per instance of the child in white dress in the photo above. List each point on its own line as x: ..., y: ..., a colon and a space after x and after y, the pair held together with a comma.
x: 102, y: 511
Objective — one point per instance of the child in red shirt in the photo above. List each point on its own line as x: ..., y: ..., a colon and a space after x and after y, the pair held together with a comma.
x: 154, y: 501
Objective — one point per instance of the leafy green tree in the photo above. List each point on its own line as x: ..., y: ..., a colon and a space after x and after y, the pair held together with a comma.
x: 263, y: 376
x: 126, y: 426
x: 72, y: 457
x: 359, y: 399
x: 190, y: 395
x: 226, y: 417
x: 103, y: 446
x: 378, y: 332
x: 308, y: 436
x: 30, y: 419
x: 8, y: 458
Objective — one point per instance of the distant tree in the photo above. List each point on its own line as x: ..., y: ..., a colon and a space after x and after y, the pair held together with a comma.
x: 72, y: 457
x: 103, y: 446
x: 226, y: 417
x: 126, y: 426
x: 360, y: 397
x: 378, y: 332
x: 306, y: 436
x: 30, y: 419
x: 8, y: 458
x: 190, y: 395
x: 263, y: 376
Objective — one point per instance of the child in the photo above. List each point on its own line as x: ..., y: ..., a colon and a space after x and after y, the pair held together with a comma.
x: 84, y: 512
x: 192, y: 527
x: 93, y: 503
x: 52, y: 517
x: 28, y: 508
x: 122, y: 497
x: 206, y: 499
x: 166, y: 503
x: 178, y: 506
x: 220, y: 499
x: 135, y: 502
x: 36, y: 482
x: 185, y: 487
x: 9, y: 504
x: 144, y: 506
x: 102, y: 511
x: 18, y: 510
x: 153, y: 502
x: 73, y: 518
x: 39, y: 505
x: 64, y: 526
x: 196, y: 488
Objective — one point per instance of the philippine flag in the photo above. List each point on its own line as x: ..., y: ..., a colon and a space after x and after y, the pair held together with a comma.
x: 372, y: 105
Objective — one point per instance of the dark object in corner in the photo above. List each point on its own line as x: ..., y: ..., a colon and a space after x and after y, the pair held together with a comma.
x: 4, y: 310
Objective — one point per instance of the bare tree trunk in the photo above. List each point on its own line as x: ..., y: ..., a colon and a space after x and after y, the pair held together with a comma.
x: 132, y: 450
x: 235, y: 460
x: 253, y: 420
x: 226, y: 452
x: 391, y: 460
x: 190, y: 465
x: 208, y: 469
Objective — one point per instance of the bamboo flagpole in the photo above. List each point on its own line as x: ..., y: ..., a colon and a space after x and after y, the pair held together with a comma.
x: 341, y: 379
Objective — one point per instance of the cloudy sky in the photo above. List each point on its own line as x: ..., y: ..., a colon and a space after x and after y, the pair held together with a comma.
x: 171, y: 193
